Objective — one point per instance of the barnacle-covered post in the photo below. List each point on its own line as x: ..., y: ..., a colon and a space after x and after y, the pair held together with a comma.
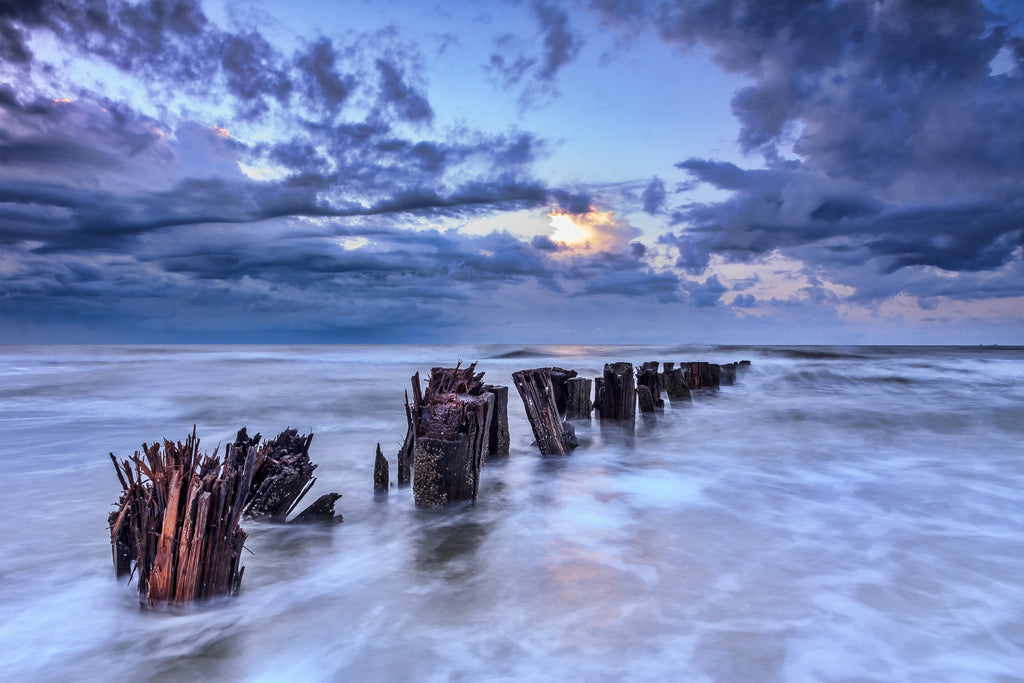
x: 451, y: 422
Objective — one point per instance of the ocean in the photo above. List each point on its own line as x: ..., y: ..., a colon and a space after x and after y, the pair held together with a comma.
x: 840, y: 514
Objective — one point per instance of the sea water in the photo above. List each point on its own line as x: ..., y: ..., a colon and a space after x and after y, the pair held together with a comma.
x: 839, y: 514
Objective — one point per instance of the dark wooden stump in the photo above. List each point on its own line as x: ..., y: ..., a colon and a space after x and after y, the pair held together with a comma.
x: 283, y: 474
x: 618, y: 395
x: 554, y: 435
x: 577, y: 405
x: 381, y: 473
x: 498, y: 440
x: 647, y: 377
x: 675, y: 384
x: 645, y: 401
x: 559, y: 377
x: 700, y: 375
x: 320, y: 512
x: 452, y: 427
x: 176, y: 525
x: 727, y: 374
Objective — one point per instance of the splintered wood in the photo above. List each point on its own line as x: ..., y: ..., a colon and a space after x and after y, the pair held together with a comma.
x: 177, y: 522
x: 282, y: 475
x: 451, y: 428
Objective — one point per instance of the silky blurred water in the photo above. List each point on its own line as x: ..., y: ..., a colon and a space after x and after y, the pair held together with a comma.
x: 841, y: 514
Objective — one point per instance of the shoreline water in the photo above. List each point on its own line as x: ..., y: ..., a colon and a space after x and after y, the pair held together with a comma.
x: 842, y: 512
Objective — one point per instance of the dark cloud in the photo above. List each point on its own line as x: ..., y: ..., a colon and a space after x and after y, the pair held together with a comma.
x: 744, y: 301
x: 784, y: 209
x: 251, y: 73
x: 46, y: 151
x: 544, y: 243
x: 395, y: 93
x: 12, y: 44
x: 572, y: 202
x: 704, y: 294
x: 322, y: 82
x: 890, y: 140
x: 654, y: 196
x: 561, y: 45
x: 508, y: 64
x: 515, y: 64
x: 635, y: 283
x: 898, y: 94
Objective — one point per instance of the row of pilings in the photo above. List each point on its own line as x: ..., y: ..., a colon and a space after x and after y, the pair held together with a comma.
x: 457, y: 422
x: 177, y: 524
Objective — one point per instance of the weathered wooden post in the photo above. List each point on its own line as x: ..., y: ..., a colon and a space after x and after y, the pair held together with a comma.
x: 577, y: 406
x: 559, y: 378
x: 618, y: 395
x: 675, y: 384
x: 648, y: 390
x: 727, y: 374
x: 554, y: 435
x: 452, y: 425
x: 498, y: 440
x: 701, y: 375
x: 381, y: 473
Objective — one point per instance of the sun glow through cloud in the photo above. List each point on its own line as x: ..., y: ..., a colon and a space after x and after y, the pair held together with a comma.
x: 567, y: 231
x: 590, y: 231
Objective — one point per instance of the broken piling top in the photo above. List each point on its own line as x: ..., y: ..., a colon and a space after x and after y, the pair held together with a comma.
x: 179, y: 526
x: 451, y: 426
x: 381, y: 472
x: 283, y: 474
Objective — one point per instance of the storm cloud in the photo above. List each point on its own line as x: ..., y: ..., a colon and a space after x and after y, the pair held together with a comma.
x: 887, y: 136
x: 167, y: 164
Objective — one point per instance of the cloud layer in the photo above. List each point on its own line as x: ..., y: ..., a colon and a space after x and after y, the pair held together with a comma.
x: 163, y: 174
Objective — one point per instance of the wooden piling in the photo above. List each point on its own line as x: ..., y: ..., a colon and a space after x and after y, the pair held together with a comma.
x: 381, y: 474
x: 649, y: 400
x: 578, y: 400
x: 618, y: 394
x: 559, y: 378
x: 554, y: 435
x: 727, y: 374
x: 452, y: 426
x: 167, y: 531
x: 701, y: 375
x: 498, y: 441
x: 675, y: 384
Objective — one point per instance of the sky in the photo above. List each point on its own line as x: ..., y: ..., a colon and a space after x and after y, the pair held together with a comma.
x: 602, y: 171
